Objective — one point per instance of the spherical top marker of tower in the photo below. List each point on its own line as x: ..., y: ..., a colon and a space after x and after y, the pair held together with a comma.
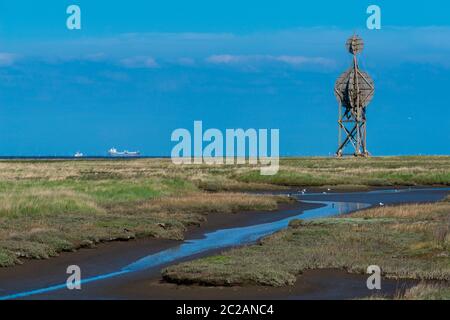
x: 355, y: 44
x: 354, y: 88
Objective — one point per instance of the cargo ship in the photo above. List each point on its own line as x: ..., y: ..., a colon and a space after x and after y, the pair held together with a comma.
x: 114, y: 153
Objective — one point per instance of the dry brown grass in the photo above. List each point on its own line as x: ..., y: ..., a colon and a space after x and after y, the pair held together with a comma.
x: 39, y: 223
x: 215, y: 202
x: 293, y: 172
x: 427, y: 291
x: 424, y: 211
x: 40, y: 201
x: 385, y: 171
x: 51, y: 206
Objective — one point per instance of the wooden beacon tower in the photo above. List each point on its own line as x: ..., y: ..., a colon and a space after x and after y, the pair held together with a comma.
x: 354, y: 90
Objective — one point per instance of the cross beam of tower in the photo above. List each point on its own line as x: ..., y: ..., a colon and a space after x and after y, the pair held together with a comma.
x: 354, y: 90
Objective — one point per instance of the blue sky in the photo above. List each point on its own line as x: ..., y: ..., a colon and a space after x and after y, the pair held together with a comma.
x: 140, y: 69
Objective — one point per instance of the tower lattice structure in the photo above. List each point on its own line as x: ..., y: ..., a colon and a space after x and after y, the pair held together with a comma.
x: 354, y: 90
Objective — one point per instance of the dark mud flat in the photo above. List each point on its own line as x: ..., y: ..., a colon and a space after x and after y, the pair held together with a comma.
x: 327, y: 284
x: 144, y: 282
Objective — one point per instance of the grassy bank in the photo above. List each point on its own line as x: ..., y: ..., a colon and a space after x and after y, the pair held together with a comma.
x: 382, y: 171
x: 51, y: 206
x: 39, y: 223
x: 409, y: 241
x: 353, y: 172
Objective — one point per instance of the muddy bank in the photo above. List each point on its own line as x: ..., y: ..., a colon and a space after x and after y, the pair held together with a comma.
x: 111, y: 256
x: 324, y: 284
x: 311, y: 285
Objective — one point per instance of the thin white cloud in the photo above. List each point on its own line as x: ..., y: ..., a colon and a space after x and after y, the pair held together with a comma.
x: 7, y: 59
x: 299, y: 47
x: 258, y: 59
x: 226, y: 59
x: 139, y: 62
x: 301, y: 60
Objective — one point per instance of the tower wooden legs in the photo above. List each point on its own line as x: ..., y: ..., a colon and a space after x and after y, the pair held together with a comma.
x: 354, y: 133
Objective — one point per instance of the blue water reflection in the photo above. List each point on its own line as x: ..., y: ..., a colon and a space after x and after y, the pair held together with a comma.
x: 238, y: 236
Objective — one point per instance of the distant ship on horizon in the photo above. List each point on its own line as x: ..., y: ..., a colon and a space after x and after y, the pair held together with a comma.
x: 78, y: 155
x: 114, y: 153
